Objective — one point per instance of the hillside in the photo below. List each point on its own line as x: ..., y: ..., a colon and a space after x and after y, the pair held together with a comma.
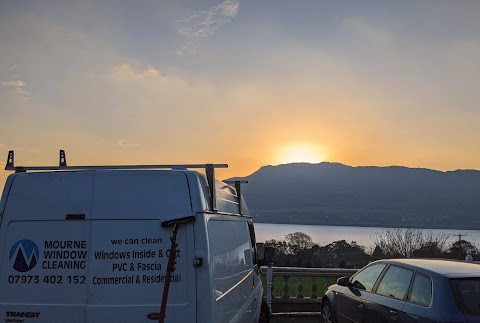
x: 336, y: 194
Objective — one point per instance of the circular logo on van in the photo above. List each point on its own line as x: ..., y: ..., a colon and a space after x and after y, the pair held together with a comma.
x: 24, y: 254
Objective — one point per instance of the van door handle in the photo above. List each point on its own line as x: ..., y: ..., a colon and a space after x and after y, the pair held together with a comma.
x: 360, y: 305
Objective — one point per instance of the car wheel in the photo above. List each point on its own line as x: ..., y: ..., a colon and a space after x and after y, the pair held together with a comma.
x: 327, y: 313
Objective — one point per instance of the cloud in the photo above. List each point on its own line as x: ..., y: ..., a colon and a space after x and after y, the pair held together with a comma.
x: 123, y: 144
x: 119, y: 143
x: 16, y: 83
x: 15, y: 87
x: 204, y: 24
x: 125, y: 72
x: 368, y: 33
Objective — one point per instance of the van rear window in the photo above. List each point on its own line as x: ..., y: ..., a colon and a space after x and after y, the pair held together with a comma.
x: 467, y: 294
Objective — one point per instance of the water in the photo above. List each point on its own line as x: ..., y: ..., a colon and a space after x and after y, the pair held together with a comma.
x: 323, y: 234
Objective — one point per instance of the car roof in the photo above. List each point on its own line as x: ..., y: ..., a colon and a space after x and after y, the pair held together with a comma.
x: 445, y: 267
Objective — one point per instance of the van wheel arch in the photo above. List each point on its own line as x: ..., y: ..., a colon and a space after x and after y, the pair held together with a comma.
x: 264, y: 313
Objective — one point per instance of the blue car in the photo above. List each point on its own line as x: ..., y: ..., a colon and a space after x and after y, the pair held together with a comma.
x: 406, y: 290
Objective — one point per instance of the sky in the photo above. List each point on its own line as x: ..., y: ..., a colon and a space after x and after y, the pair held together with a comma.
x: 243, y: 82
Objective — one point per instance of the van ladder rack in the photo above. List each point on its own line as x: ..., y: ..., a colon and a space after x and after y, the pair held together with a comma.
x: 209, y: 169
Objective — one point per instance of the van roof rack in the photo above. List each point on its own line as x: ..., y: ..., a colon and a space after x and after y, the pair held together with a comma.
x: 238, y: 188
x: 62, y: 165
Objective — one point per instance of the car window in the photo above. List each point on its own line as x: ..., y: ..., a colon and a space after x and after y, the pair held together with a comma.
x: 395, y: 282
x: 467, y: 294
x: 366, y: 278
x: 421, y: 293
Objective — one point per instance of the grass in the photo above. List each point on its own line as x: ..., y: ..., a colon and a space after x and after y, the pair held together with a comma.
x: 278, y: 283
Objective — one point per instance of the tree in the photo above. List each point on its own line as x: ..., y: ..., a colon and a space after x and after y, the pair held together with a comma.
x: 298, y: 242
x: 343, y: 254
x: 458, y: 249
x: 406, y: 243
x: 299, y: 247
x: 280, y: 246
x: 298, y: 250
x: 432, y: 246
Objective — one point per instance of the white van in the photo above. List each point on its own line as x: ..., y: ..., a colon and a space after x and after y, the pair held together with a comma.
x: 92, y: 244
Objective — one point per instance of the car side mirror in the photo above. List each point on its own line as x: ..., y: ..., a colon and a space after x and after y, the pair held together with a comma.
x: 344, y: 281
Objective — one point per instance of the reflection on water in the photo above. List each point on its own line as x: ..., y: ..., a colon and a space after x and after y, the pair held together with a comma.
x: 323, y: 234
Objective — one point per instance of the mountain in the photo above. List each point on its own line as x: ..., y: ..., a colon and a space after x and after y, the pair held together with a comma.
x: 337, y: 194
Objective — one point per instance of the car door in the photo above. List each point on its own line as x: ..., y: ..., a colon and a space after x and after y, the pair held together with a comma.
x: 387, y: 301
x: 349, y: 302
x: 418, y: 306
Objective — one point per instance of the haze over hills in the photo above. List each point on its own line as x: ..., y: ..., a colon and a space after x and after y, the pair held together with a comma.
x: 336, y: 194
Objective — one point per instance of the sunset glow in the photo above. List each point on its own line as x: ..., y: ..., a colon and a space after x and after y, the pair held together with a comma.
x: 229, y: 81
x: 299, y: 153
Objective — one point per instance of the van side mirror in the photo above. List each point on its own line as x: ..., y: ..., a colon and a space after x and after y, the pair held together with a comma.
x: 268, y: 255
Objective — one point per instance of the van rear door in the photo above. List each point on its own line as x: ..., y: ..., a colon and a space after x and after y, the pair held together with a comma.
x: 44, y: 256
x: 128, y: 264
x: 89, y: 246
x: 129, y: 247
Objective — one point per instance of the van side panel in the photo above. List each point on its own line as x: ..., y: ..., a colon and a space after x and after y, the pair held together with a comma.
x: 233, y: 271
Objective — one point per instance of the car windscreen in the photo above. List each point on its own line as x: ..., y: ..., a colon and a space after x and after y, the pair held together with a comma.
x: 466, y: 292
x: 366, y: 278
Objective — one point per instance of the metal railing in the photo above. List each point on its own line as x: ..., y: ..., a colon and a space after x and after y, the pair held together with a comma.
x: 300, y: 274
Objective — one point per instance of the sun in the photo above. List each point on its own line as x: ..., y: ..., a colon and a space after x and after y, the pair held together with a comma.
x: 299, y: 153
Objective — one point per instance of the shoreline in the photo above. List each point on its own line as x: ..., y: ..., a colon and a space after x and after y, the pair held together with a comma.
x: 369, y: 226
x: 326, y: 234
